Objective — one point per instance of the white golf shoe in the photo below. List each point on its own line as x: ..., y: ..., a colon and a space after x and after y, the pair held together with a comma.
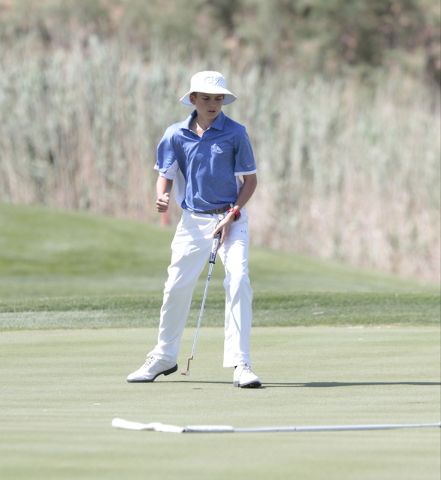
x: 244, y: 377
x: 151, y: 369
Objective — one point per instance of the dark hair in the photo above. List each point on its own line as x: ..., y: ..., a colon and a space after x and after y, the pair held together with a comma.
x: 195, y: 94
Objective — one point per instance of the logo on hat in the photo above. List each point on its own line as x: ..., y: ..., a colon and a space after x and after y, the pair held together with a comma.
x: 212, y: 80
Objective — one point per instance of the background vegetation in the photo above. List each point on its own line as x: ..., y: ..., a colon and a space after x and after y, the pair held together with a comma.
x: 341, y: 100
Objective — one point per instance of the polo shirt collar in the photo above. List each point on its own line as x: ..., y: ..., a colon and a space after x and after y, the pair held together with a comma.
x: 218, y: 123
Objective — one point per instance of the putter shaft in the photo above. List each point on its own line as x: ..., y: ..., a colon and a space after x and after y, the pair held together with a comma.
x: 212, y: 261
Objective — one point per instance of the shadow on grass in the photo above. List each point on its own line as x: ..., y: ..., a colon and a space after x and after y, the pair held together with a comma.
x: 206, y: 383
x: 317, y: 384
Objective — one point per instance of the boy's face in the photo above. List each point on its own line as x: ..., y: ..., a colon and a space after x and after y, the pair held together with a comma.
x: 207, y: 105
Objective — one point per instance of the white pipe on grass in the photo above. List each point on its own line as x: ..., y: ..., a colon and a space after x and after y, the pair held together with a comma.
x: 159, y: 427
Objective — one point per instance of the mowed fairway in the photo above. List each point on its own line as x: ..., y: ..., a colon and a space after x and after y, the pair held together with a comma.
x: 350, y: 347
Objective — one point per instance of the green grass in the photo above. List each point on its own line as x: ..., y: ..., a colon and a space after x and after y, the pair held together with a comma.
x: 47, y: 253
x: 52, y: 427
x: 73, y: 270
x: 332, y: 343
x: 288, y: 309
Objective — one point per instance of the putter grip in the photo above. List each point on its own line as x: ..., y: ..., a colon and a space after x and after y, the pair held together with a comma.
x: 214, y: 248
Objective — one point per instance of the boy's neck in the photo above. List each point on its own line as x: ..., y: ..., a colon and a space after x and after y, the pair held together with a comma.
x: 200, y: 124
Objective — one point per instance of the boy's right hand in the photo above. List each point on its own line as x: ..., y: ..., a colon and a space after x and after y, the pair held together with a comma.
x: 162, y: 203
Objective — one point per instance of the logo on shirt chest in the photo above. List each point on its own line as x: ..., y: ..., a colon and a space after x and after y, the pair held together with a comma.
x: 217, y: 149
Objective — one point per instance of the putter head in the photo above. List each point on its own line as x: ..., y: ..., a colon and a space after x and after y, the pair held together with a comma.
x: 187, y: 372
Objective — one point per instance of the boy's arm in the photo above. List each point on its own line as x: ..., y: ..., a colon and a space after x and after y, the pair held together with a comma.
x: 163, y: 189
x: 245, y: 193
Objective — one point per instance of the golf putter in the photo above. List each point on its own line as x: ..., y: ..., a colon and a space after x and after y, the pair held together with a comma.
x: 212, y: 261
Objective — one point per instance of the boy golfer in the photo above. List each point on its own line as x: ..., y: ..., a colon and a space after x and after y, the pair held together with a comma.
x: 205, y: 155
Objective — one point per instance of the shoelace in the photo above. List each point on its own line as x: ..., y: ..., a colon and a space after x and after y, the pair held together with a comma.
x: 246, y: 368
x: 149, y: 361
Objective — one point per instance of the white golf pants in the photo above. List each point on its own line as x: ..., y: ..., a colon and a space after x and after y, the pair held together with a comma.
x: 191, y: 248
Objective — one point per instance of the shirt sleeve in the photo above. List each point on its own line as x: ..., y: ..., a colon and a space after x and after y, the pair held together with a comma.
x: 166, y: 162
x: 244, y: 157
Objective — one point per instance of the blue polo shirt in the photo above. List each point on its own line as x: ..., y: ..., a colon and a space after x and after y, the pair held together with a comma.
x: 206, y: 169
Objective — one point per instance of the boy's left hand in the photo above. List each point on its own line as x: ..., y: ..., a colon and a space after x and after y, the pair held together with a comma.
x: 224, y: 227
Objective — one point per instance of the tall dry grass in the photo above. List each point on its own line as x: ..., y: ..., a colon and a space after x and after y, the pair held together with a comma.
x: 347, y: 169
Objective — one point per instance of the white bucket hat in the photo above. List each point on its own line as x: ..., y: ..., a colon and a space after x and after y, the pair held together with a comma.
x: 208, y: 82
